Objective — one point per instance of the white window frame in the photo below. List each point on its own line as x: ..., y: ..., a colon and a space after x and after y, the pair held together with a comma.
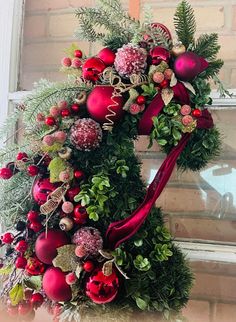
x: 11, y: 22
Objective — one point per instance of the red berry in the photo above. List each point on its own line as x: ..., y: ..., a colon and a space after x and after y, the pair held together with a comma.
x: 196, y: 112
x: 33, y: 170
x: 76, y: 63
x: 88, y: 266
x: 75, y: 108
x: 12, y: 310
x: 21, y: 262
x: 164, y: 83
x: 7, y: 238
x: 21, y: 246
x: 66, y: 61
x: 78, y: 174
x: 78, y: 53
x: 80, y: 215
x: 141, y: 100
x: 33, y: 216
x: 36, y: 226
x: 65, y: 112
x: 50, y: 121
x: 5, y: 173
x: 71, y: 278
x: 37, y: 300
x: 22, y: 156
x: 72, y: 192
x: 24, y: 308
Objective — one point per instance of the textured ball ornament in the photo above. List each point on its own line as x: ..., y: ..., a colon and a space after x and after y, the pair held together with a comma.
x: 54, y: 111
x: 102, y: 289
x: 130, y: 60
x: 86, y: 134
x: 92, y: 68
x: 188, y: 65
x: 46, y: 245
x: 41, y: 189
x: 60, y: 136
x: 90, y: 239
x: 187, y: 120
x: 98, y: 102
x: 107, y: 56
x: 159, y: 54
x: 55, y: 286
x: 185, y: 109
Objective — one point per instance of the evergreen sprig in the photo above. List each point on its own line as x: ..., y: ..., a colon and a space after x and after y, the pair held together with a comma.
x: 185, y: 24
x: 207, y: 46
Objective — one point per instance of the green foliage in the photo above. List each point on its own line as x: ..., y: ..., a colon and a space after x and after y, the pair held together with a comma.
x: 185, y: 24
x: 142, y: 264
x: 213, y: 69
x: 162, y: 252
x: 16, y: 294
x: 33, y: 282
x: 207, y: 46
x: 159, y: 36
x: 56, y: 166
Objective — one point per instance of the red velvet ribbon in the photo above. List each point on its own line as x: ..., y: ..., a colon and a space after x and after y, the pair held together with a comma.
x: 122, y: 230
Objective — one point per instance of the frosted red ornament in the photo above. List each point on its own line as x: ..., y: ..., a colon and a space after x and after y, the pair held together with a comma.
x: 55, y: 286
x: 102, y: 289
x: 46, y: 245
x: 86, y: 134
x: 185, y: 109
x: 187, y: 120
x: 66, y: 61
x: 100, y: 99
x: 92, y: 68
x: 107, y: 56
x: 41, y: 190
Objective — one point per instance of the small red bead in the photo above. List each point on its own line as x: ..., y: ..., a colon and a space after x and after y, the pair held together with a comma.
x: 78, y: 174
x: 141, y: 100
x: 22, y: 156
x: 7, y: 238
x: 80, y: 215
x: 21, y: 262
x: 65, y: 112
x: 88, y: 266
x: 21, y: 246
x: 37, y: 300
x: 75, y: 108
x: 5, y: 173
x: 50, y: 121
x: 196, y: 113
x: 24, y: 308
x: 33, y: 216
x: 78, y: 53
x: 33, y: 170
x: 164, y: 83
x: 36, y: 226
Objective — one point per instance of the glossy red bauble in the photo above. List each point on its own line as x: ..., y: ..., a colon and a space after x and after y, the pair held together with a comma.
x: 36, y: 226
x: 22, y: 156
x: 7, y: 238
x: 46, y: 245
x: 159, y: 54
x: 72, y: 192
x: 24, y: 308
x: 6, y: 173
x: 80, y: 215
x: 197, y: 113
x: 107, y: 56
x: 36, y: 300
x: 50, y: 121
x: 102, y: 289
x: 99, y: 100
x: 33, y: 170
x: 75, y: 108
x: 141, y: 100
x: 21, y: 246
x: 165, y: 83
x: 78, y: 53
x: 88, y: 266
x: 65, y: 112
x: 42, y: 188
x: 21, y: 262
x: 33, y: 216
x: 188, y: 65
x: 79, y: 174
x: 55, y: 286
x: 34, y: 266
x: 92, y: 68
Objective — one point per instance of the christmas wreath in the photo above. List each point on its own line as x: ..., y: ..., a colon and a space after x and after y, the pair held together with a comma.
x: 82, y: 231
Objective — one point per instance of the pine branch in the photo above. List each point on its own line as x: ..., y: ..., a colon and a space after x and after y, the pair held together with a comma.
x: 212, y: 69
x: 185, y: 24
x: 207, y: 46
x: 10, y: 123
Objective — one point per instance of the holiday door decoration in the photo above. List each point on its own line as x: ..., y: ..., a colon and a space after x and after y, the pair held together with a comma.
x: 81, y: 228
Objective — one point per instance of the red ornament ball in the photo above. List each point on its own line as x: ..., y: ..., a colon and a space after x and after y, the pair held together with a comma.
x: 36, y: 226
x: 55, y: 286
x: 34, y: 266
x: 75, y: 108
x: 72, y: 192
x: 197, y: 113
x: 159, y: 54
x: 86, y: 134
x: 21, y: 262
x: 80, y: 215
x: 50, y: 121
x: 188, y: 65
x: 107, y: 56
x: 164, y: 83
x: 6, y: 173
x: 42, y: 188
x: 46, y: 245
x: 21, y: 246
x: 92, y: 68
x: 99, y: 100
x: 141, y: 100
x: 22, y: 156
x: 36, y: 300
x: 78, y: 53
x: 88, y: 266
x: 79, y: 174
x: 65, y: 112
x: 102, y: 289
x: 33, y: 170
x: 7, y: 238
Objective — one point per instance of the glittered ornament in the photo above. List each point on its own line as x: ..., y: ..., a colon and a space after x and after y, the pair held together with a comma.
x: 86, y: 134
x: 34, y: 266
x: 41, y: 190
x: 185, y: 109
x: 90, y: 239
x: 187, y: 120
x: 55, y: 286
x: 188, y: 65
x: 159, y: 54
x: 130, y: 60
x: 48, y: 140
x: 47, y: 243
x: 102, y: 289
x: 107, y: 56
x: 62, y: 104
x: 103, y: 104
x: 54, y: 111
x: 60, y: 136
x: 92, y: 68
